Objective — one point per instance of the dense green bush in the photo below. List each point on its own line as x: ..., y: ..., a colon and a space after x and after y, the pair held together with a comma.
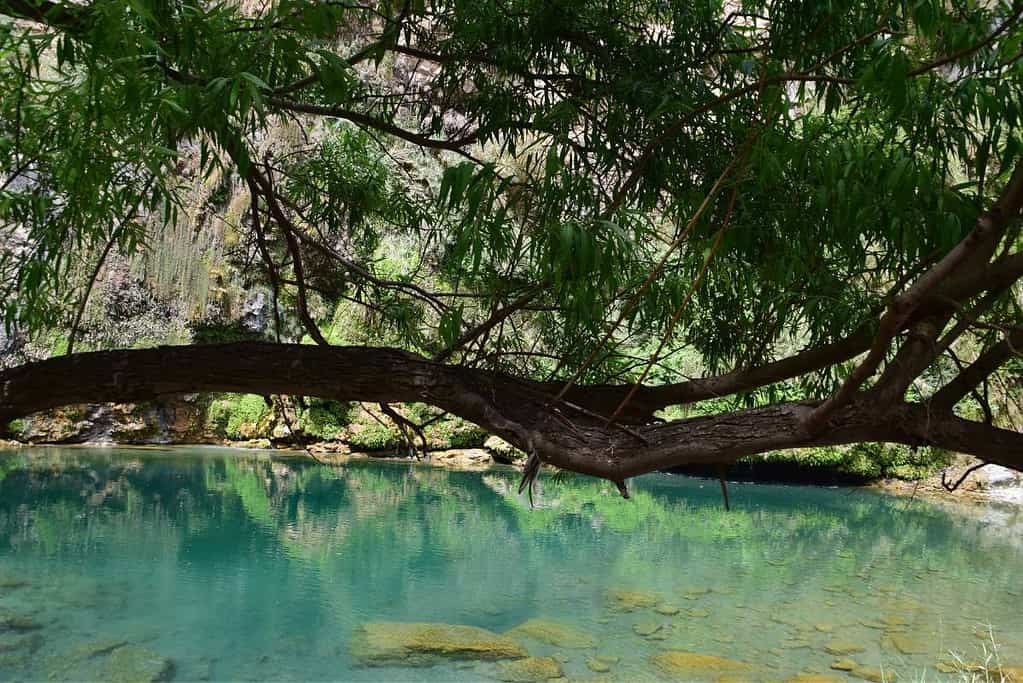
x: 236, y: 416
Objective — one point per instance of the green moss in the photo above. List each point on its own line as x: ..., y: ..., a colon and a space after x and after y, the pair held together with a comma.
x: 236, y: 416
x: 373, y: 436
x: 16, y: 427
x: 325, y: 419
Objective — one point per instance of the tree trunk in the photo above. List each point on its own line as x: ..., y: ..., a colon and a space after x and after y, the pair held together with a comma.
x: 572, y: 434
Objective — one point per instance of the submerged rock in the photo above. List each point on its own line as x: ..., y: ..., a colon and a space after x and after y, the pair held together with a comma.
x: 646, y: 628
x: 906, y: 643
x: 597, y: 666
x: 874, y: 674
x: 530, y: 670
x: 97, y: 648
x: 553, y: 633
x: 667, y: 610
x: 380, y: 643
x: 843, y: 647
x: 684, y: 665
x: 843, y: 665
x: 133, y: 664
x: 629, y: 601
x: 11, y: 621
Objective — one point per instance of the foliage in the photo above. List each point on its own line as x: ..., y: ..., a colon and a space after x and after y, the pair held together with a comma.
x: 643, y: 189
x: 236, y: 415
x: 325, y: 419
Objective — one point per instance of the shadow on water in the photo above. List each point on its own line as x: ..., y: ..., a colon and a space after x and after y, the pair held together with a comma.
x: 239, y: 565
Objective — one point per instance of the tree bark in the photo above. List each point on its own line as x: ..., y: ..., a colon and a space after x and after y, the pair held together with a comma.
x: 566, y: 435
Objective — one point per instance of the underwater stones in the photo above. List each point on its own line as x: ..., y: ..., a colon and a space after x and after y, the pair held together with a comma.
x: 905, y: 643
x: 608, y: 659
x: 795, y: 643
x: 111, y: 660
x: 824, y: 628
x: 97, y: 648
x: 842, y: 647
x: 695, y: 593
x: 132, y: 664
x: 529, y: 670
x: 698, y: 612
x: 380, y: 643
x: 553, y: 633
x: 667, y: 609
x: 597, y: 666
x: 12, y: 642
x: 684, y: 665
x: 874, y: 674
x: 646, y: 628
x: 10, y: 621
x: 630, y: 601
x: 844, y: 664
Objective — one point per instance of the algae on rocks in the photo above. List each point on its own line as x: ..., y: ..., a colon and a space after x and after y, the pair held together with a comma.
x: 382, y: 643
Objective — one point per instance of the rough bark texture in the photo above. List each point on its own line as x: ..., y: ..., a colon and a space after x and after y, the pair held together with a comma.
x: 572, y: 434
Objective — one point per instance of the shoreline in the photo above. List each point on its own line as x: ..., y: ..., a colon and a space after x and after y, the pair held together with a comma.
x: 973, y: 497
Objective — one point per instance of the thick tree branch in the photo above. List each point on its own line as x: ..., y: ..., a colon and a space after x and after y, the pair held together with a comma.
x: 976, y: 372
x: 984, y: 236
x: 514, y: 409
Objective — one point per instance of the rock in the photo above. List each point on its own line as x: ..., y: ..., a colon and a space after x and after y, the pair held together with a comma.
x: 97, y: 648
x: 18, y: 622
x: 824, y: 628
x: 695, y: 593
x: 698, y: 612
x: 462, y: 458
x: 667, y: 609
x: 630, y: 601
x: 842, y: 647
x: 26, y: 644
x: 133, y: 664
x: 906, y: 643
x: 502, y: 451
x: 597, y: 666
x: 843, y: 665
x: 873, y: 674
x: 553, y: 633
x: 529, y: 670
x: 646, y: 628
x: 684, y: 665
x: 608, y: 659
x: 381, y: 643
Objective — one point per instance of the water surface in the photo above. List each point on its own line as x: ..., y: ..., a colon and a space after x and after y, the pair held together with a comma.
x: 237, y: 566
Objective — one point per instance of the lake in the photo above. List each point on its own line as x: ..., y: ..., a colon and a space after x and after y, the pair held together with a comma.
x: 215, y: 564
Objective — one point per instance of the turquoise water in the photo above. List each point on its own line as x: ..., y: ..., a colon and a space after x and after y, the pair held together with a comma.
x: 233, y: 565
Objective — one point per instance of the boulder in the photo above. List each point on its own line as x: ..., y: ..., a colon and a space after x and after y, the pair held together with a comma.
x: 553, y: 633
x: 530, y: 670
x: 382, y: 643
x: 629, y: 600
x: 682, y: 665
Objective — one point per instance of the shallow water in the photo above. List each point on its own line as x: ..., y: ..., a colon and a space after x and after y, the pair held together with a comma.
x: 238, y: 566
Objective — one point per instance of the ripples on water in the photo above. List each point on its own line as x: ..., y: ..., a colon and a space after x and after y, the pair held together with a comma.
x: 236, y: 566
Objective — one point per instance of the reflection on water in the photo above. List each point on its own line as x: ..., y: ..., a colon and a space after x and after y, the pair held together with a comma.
x: 228, y: 565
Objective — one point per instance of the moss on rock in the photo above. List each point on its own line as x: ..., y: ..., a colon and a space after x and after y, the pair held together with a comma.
x: 553, y: 633
x: 682, y: 665
x: 530, y: 670
x: 382, y: 643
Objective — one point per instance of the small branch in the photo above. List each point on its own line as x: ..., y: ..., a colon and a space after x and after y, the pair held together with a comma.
x: 951, y: 487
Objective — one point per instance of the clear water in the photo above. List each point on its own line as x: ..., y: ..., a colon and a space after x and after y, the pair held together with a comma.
x: 242, y: 567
